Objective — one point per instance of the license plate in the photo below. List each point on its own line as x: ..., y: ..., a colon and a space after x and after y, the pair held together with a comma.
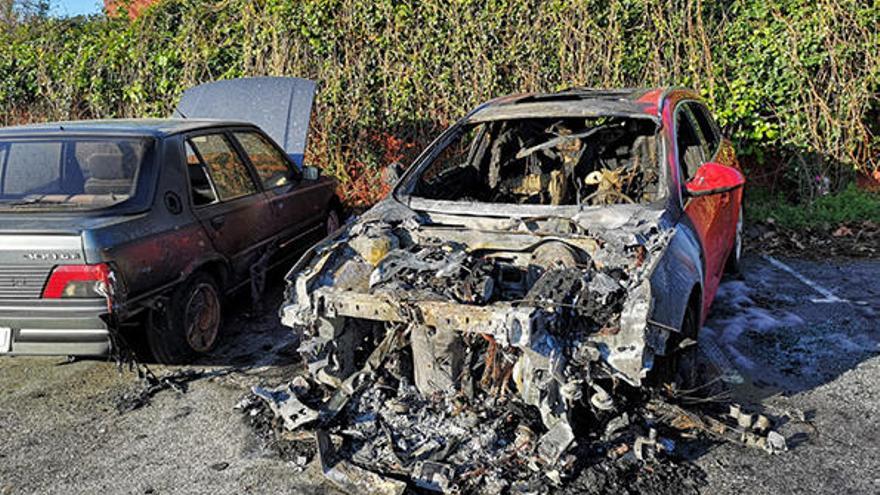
x: 5, y: 339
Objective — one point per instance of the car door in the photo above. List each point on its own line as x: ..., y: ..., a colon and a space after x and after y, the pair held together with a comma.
x: 706, y: 213
x: 227, y: 200
x: 296, y: 204
x: 715, y: 152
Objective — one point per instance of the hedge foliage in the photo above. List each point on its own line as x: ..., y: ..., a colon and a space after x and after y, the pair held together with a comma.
x: 796, y: 77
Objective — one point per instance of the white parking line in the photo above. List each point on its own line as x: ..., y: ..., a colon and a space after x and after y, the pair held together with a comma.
x: 828, y: 296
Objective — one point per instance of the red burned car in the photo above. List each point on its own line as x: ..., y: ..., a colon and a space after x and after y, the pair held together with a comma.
x: 578, y: 237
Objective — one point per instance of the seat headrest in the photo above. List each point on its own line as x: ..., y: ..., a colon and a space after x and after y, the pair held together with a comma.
x: 106, y: 166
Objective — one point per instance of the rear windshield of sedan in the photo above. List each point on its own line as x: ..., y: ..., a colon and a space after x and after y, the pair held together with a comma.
x: 69, y: 173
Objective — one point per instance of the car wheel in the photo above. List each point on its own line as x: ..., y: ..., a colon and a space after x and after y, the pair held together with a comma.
x: 679, y: 367
x: 332, y: 222
x: 190, y: 324
x: 733, y: 259
x: 685, y: 359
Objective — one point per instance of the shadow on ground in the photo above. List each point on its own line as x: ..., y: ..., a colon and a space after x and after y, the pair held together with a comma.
x: 778, y: 335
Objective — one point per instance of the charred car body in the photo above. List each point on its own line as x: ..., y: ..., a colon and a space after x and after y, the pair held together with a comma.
x: 103, y: 221
x: 547, y: 248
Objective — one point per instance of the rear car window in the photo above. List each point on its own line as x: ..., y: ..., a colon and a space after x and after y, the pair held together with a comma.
x: 80, y: 173
x: 271, y: 165
x: 223, y: 167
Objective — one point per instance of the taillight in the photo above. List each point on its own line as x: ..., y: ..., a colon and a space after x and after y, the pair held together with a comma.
x: 78, y: 281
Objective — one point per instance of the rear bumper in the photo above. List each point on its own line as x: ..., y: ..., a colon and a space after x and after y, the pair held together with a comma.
x: 55, y: 327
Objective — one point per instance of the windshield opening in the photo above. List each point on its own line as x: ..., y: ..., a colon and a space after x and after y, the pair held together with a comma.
x: 80, y: 173
x: 548, y: 161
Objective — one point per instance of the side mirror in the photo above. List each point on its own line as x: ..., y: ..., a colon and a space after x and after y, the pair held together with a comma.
x: 311, y: 173
x: 392, y: 173
x: 714, y: 178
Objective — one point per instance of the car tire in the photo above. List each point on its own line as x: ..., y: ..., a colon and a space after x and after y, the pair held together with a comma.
x: 680, y: 366
x: 190, y: 324
x: 735, y: 256
x: 685, y: 361
x: 333, y: 221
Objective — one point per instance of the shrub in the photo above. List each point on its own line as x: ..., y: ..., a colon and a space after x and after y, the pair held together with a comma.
x: 849, y: 205
x: 794, y: 82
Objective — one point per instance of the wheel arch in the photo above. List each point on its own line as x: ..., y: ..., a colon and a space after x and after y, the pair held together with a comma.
x: 217, y: 267
x: 677, y: 282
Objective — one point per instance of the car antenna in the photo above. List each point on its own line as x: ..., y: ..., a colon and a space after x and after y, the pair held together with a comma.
x: 183, y: 115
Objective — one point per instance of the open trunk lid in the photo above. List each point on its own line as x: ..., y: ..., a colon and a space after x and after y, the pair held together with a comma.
x: 280, y: 106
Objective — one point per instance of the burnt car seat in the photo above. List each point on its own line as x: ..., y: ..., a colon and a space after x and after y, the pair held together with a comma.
x: 107, y: 175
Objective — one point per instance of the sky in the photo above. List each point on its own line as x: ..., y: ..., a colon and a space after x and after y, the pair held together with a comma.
x: 64, y: 8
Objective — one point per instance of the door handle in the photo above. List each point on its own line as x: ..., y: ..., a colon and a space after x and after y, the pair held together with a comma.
x: 218, y: 221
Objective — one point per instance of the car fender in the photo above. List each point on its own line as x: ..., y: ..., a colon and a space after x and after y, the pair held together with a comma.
x: 678, y: 273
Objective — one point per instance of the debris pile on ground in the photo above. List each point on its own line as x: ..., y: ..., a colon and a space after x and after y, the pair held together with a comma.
x: 851, y: 239
x: 298, y: 449
x: 388, y: 436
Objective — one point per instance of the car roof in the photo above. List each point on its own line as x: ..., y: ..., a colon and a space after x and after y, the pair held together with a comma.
x: 577, y: 102
x: 132, y: 127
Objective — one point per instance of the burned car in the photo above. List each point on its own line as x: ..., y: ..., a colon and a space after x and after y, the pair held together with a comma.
x: 103, y: 223
x: 546, y: 250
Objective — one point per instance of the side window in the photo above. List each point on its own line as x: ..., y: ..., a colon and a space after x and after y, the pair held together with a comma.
x: 709, y: 131
x: 226, y: 171
x: 200, y: 186
x: 690, y: 147
x: 272, y: 167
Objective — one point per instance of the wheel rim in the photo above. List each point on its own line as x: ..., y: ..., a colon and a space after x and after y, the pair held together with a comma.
x: 202, y: 317
x: 332, y: 222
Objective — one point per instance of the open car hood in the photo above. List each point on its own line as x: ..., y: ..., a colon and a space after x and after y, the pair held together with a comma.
x: 281, y: 106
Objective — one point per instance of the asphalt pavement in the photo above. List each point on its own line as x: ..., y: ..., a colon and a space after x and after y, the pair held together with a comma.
x: 792, y: 337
